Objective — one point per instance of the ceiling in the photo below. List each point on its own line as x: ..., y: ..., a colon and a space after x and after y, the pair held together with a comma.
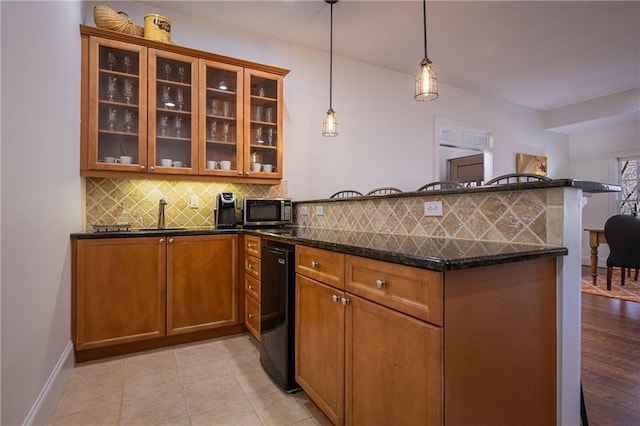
x: 539, y: 54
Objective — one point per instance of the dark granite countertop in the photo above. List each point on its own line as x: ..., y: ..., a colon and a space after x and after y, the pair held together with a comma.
x: 440, y: 254
x: 586, y: 186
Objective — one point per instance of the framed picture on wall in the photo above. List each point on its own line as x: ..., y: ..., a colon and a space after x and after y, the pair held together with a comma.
x: 528, y: 163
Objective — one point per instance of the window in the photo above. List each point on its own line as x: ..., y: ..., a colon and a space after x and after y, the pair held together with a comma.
x: 629, y: 198
x: 464, y: 153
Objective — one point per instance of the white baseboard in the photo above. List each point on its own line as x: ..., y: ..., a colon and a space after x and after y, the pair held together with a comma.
x: 47, y: 401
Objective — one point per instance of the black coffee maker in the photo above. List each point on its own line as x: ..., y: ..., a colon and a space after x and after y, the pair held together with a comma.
x: 226, y: 210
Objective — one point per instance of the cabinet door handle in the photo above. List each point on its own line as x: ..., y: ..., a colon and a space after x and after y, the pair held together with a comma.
x: 250, y: 266
x: 171, y: 240
x: 249, y: 245
x: 151, y: 168
x: 344, y: 301
x: 250, y: 287
x: 335, y: 298
x: 381, y: 284
x: 239, y: 173
x: 142, y: 167
x: 250, y: 316
x: 161, y: 240
x: 314, y: 264
x: 246, y: 173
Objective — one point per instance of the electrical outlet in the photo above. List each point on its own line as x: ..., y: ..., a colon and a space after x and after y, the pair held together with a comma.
x: 193, y: 202
x: 433, y: 208
x: 304, y: 210
x: 319, y: 211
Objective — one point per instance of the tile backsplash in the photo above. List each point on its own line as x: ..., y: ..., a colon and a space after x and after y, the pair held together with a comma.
x: 140, y: 200
x: 532, y: 216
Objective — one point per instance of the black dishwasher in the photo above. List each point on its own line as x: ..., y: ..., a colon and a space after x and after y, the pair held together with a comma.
x: 277, y: 314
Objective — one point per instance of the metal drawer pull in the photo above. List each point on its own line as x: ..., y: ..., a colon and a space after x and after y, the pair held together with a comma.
x: 335, y: 298
x: 161, y: 240
x: 381, y: 284
x: 249, y: 245
x: 250, y: 266
x: 171, y: 240
x: 345, y: 302
x: 314, y: 264
x: 250, y: 287
x: 250, y: 316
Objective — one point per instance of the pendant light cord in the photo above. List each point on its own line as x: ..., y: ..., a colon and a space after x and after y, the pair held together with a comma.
x: 331, y: 59
x: 424, y: 17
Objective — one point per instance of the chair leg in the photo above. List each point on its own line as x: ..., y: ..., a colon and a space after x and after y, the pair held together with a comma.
x: 636, y: 277
x: 583, y: 409
x: 609, y: 273
x: 622, y: 277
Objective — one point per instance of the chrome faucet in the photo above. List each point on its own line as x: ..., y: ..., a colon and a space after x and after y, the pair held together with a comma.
x: 162, y: 203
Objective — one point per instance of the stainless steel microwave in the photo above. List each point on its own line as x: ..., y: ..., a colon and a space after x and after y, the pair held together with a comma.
x: 267, y: 211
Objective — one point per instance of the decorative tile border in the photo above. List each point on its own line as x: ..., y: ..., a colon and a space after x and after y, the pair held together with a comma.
x: 140, y: 200
x: 527, y: 216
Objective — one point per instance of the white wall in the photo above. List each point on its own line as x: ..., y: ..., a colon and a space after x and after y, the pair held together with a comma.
x: 41, y: 195
x: 593, y: 156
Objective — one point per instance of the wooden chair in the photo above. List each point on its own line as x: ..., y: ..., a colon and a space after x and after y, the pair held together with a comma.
x: 622, y: 232
x: 442, y: 184
x: 347, y: 193
x: 516, y: 178
x: 384, y: 191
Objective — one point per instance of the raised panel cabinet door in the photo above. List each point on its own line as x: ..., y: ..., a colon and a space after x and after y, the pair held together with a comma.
x: 120, y: 293
x: 394, y: 368
x: 201, y: 282
x: 319, y: 345
x: 252, y: 312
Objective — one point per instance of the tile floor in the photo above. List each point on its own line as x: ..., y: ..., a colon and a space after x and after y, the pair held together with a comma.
x: 216, y: 382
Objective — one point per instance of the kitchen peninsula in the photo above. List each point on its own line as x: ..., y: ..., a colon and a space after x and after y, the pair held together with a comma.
x: 502, y: 311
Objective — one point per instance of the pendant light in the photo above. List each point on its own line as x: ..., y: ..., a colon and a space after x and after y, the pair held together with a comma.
x: 426, y: 80
x: 330, y: 123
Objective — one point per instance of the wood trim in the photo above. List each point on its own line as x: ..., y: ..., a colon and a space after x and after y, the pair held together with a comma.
x: 163, y: 176
x: 93, y: 31
x: 109, y: 351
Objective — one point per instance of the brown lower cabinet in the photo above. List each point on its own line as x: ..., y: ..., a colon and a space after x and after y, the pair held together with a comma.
x: 131, y: 289
x: 389, y: 344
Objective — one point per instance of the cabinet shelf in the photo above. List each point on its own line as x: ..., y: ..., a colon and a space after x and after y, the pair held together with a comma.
x: 120, y: 73
x: 223, y: 92
x: 118, y: 104
x: 222, y: 117
x: 118, y: 133
x: 264, y: 146
x: 229, y: 144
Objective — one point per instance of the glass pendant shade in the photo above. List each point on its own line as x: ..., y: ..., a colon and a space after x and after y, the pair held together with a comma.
x: 426, y: 82
x: 330, y: 124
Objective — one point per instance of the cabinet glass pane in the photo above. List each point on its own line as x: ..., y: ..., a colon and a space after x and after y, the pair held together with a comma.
x: 221, y: 122
x: 264, y: 127
x: 173, y: 113
x: 118, y: 105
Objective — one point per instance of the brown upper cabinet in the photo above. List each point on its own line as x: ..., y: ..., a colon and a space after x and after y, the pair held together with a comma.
x: 152, y: 109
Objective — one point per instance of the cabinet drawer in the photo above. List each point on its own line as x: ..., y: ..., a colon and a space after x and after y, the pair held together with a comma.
x: 414, y: 291
x: 252, y: 287
x: 252, y: 245
x: 322, y: 265
x: 252, y: 316
x: 252, y: 266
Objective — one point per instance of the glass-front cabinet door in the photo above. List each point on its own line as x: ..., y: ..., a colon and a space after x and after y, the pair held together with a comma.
x: 221, y: 130
x: 263, y: 124
x: 172, y: 113
x: 117, y: 132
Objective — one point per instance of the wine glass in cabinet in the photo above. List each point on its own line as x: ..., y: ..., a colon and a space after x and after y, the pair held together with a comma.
x: 172, y: 113
x: 263, y: 124
x: 117, y: 129
x: 221, y: 130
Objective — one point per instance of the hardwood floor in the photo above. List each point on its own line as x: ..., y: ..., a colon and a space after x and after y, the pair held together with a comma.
x: 611, y: 360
